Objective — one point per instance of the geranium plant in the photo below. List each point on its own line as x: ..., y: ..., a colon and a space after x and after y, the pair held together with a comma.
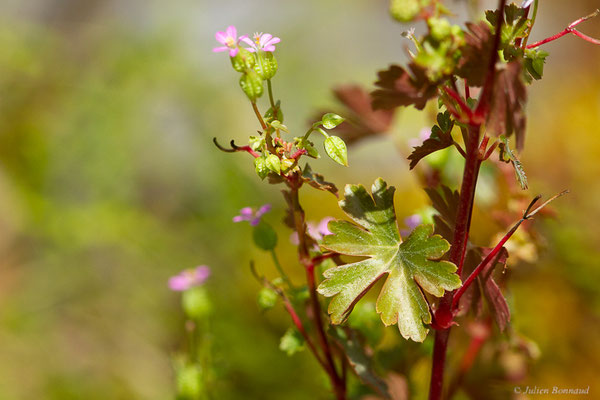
x: 434, y: 278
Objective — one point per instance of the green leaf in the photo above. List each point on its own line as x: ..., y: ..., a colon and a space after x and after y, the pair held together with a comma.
x: 264, y: 236
x: 507, y: 155
x: 251, y: 84
x: 317, y: 180
x: 291, y: 342
x: 331, y: 120
x: 278, y: 125
x: 411, y: 266
x: 260, y: 167
x: 336, y: 150
x: 273, y: 163
x: 302, y: 143
x: 361, y: 363
x: 534, y: 62
x: 267, y: 298
x: 439, y: 139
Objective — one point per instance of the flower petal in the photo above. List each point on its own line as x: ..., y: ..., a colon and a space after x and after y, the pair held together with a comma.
x: 248, y: 41
x: 263, y: 209
x: 221, y: 37
x: 272, y: 41
x: 219, y: 49
x: 233, y: 52
x: 179, y: 283
x: 265, y: 38
x: 269, y: 48
x: 231, y: 32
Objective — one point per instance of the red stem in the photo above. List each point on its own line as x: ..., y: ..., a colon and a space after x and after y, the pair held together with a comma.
x: 298, y: 323
x: 483, y: 264
x: 339, y: 386
x: 567, y: 30
x: 443, y: 316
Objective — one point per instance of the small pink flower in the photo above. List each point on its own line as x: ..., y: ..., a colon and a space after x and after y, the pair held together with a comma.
x: 424, y: 134
x: 314, y: 231
x: 230, y: 40
x: 262, y: 41
x: 411, y: 222
x: 248, y: 214
x: 189, y: 278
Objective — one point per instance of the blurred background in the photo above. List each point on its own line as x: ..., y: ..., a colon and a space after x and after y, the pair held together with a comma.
x: 109, y: 185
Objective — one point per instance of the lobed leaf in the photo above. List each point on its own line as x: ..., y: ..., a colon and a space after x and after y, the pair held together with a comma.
x: 411, y: 266
x: 398, y: 87
x: 440, y: 139
x: 317, y: 180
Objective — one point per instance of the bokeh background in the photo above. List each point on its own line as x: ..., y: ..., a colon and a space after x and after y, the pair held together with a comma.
x: 109, y: 184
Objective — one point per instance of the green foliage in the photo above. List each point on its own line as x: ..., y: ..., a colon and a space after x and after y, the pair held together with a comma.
x: 331, y: 120
x: 440, y: 139
x: 361, y: 363
x: 291, y: 342
x: 336, y: 150
x: 267, y: 298
x: 317, y: 180
x: 411, y: 265
x: 196, y: 303
x: 534, y: 63
x: 260, y: 166
x: 189, y: 382
x: 264, y: 236
x: 273, y: 163
x: 507, y: 155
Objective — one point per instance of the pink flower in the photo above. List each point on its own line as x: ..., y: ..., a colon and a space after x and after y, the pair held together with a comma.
x: 314, y: 231
x: 262, y: 41
x: 526, y: 3
x: 189, y: 278
x: 248, y: 214
x: 411, y: 222
x: 424, y: 134
x: 230, y: 40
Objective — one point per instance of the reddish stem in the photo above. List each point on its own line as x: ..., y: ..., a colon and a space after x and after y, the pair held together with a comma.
x: 339, y: 386
x: 259, y: 117
x: 298, y: 323
x: 567, y: 30
x: 483, y: 264
x: 464, y: 107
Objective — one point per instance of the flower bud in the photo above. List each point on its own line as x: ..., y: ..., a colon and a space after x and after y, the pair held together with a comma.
x: 251, y: 84
x: 196, y: 303
x: 266, y: 65
x: 243, y: 60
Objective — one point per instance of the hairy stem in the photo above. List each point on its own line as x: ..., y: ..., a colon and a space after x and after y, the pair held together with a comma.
x: 337, y: 383
x: 443, y: 315
x: 259, y: 117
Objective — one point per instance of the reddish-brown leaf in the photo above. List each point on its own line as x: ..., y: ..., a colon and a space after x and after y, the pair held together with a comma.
x: 476, y: 53
x: 507, y: 104
x: 398, y: 87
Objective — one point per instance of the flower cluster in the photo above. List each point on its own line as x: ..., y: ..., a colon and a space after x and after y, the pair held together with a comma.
x: 230, y: 41
x: 248, y: 214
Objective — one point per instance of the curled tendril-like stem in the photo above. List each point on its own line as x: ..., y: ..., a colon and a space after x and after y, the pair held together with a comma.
x: 235, y: 148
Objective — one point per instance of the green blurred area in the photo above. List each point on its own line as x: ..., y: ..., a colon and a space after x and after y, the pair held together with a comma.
x: 110, y: 184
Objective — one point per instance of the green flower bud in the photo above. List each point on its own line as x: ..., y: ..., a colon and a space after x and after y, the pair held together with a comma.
x: 251, y: 84
x: 266, y: 65
x: 243, y: 60
x: 267, y: 298
x: 196, y: 303
x: 264, y: 236
x: 261, y: 168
